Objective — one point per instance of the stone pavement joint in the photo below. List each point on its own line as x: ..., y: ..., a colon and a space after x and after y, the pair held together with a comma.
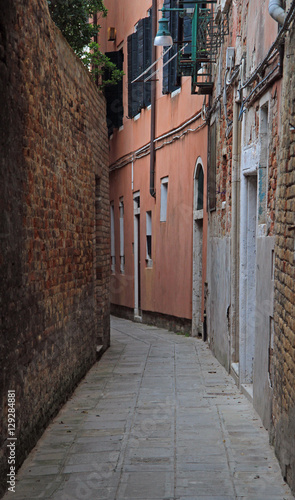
x: 157, y: 418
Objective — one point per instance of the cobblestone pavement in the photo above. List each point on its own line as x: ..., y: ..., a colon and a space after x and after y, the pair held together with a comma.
x: 156, y: 418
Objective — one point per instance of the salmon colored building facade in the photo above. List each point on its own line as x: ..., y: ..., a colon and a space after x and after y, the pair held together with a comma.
x: 207, y: 243
x: 156, y: 232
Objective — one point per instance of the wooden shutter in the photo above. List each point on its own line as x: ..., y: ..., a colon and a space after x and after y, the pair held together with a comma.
x: 174, y: 81
x: 129, y: 54
x: 140, y: 60
x: 187, y: 30
x: 147, y: 58
x: 114, y: 94
x: 134, y: 89
x: 165, y: 88
x: 171, y: 81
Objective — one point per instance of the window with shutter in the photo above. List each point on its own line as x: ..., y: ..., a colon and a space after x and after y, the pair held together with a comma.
x: 134, y: 89
x: 187, y: 30
x: 114, y: 94
x: 139, y: 58
x: 147, y: 59
x: 171, y: 80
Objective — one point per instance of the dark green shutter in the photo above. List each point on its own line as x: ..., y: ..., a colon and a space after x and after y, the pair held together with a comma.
x: 129, y: 53
x: 114, y: 94
x: 139, y: 46
x: 140, y: 59
x: 174, y: 81
x: 171, y: 81
x: 147, y: 59
x: 165, y: 89
x: 134, y: 89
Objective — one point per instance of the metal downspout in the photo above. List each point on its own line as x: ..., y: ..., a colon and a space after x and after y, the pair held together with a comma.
x: 153, y: 104
x: 234, y: 343
x: 276, y: 11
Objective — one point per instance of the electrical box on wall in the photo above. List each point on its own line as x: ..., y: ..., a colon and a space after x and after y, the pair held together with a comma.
x: 230, y: 57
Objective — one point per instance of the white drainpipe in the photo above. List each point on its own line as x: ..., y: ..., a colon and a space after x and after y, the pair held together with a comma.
x: 276, y: 11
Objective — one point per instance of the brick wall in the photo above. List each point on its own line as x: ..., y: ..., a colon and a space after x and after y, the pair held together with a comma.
x: 54, y: 258
x: 283, y: 432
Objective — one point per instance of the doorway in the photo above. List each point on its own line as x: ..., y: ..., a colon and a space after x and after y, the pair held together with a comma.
x: 198, y: 214
x: 250, y: 302
x: 136, y: 251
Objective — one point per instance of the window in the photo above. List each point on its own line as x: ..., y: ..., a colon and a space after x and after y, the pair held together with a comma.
x: 114, y: 94
x: 212, y: 169
x: 180, y: 29
x: 113, y: 255
x: 199, y: 187
x: 200, y: 190
x: 149, y: 239
x: 122, y: 253
x: 164, y: 194
x: 139, y: 46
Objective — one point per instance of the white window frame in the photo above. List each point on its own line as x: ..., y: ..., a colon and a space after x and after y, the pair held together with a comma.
x: 164, y: 199
x: 149, y: 260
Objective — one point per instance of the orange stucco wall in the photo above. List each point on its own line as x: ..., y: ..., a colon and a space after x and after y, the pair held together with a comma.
x: 167, y: 286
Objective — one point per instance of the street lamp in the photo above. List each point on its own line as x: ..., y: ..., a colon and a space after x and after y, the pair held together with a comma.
x: 163, y: 38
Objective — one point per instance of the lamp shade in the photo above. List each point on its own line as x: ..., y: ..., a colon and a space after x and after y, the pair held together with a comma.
x: 163, y: 37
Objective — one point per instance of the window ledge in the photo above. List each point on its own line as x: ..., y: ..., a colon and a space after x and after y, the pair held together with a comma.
x: 136, y: 117
x: 175, y: 92
x: 198, y: 214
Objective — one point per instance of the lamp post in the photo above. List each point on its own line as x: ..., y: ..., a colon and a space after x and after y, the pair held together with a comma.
x: 163, y: 37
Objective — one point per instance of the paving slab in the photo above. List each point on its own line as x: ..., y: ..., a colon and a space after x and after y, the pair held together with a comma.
x: 157, y: 418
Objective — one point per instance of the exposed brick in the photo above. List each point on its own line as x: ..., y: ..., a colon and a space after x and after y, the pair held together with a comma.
x: 283, y: 431
x: 53, y: 150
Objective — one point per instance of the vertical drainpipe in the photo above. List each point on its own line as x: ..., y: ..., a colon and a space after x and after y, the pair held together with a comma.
x: 234, y: 343
x: 153, y: 104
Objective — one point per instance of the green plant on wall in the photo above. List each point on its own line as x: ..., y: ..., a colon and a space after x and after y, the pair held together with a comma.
x: 72, y: 18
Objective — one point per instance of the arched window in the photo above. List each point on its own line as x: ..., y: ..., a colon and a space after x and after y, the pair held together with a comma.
x: 199, y: 186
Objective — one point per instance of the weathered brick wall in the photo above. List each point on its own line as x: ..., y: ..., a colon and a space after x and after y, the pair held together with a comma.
x: 54, y: 257
x: 283, y: 433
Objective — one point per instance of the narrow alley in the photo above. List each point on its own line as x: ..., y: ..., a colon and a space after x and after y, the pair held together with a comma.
x: 156, y: 418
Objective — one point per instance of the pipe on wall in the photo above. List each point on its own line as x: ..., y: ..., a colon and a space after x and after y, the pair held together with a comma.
x: 276, y: 11
x: 153, y: 105
x: 235, y: 231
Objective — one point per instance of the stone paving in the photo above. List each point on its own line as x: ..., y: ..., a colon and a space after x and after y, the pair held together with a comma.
x: 157, y: 418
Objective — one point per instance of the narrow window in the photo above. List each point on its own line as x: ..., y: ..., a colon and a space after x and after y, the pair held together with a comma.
x: 149, y: 261
x: 113, y: 255
x: 164, y: 195
x: 122, y: 253
x: 200, y: 189
x: 212, y: 169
